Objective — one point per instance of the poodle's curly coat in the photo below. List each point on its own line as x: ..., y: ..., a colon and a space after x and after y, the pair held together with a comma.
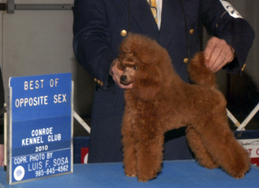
x: 160, y: 101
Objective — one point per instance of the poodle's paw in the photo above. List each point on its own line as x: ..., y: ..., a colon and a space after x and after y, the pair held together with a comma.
x: 240, y: 177
x: 142, y: 180
x: 144, y: 177
x: 207, y: 163
x: 131, y: 175
x: 240, y: 173
x: 211, y: 165
x: 239, y: 168
x: 130, y: 172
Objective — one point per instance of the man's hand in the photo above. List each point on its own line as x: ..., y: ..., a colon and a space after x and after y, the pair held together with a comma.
x: 218, y: 53
x: 1, y: 155
x: 116, y: 74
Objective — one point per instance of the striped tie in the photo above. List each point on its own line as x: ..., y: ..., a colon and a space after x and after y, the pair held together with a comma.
x: 152, y: 4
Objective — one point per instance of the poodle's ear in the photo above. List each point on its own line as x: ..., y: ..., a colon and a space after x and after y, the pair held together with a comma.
x: 147, y: 82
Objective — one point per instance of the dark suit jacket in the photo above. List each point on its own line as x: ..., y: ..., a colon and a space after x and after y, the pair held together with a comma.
x: 98, y: 26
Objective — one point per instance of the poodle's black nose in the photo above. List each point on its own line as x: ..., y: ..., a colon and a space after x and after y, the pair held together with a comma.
x: 123, y: 78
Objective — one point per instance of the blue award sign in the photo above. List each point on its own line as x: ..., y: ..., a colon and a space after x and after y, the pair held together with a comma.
x: 40, y: 127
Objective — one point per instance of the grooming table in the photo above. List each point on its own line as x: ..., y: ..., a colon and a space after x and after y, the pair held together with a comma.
x: 174, y: 174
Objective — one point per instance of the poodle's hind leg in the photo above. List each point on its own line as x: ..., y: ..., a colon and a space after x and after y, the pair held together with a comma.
x: 149, y: 157
x: 224, y: 148
x: 201, y: 154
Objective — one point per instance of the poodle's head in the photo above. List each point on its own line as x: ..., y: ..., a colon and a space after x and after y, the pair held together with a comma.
x: 141, y: 60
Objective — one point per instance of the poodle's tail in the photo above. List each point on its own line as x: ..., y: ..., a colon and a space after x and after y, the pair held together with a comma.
x: 199, y: 73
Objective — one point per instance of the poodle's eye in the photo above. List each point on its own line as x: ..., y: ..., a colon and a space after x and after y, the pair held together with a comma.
x: 135, y: 68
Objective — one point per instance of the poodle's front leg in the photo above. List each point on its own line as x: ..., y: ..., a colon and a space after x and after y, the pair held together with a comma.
x: 149, y: 157
x: 128, y: 141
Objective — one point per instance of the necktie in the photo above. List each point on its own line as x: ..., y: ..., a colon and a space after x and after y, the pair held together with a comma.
x: 152, y: 4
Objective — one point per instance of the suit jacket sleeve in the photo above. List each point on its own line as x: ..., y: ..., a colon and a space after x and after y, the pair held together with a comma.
x: 225, y: 23
x: 92, y: 40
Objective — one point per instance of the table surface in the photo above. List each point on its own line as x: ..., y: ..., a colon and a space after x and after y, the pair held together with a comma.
x: 174, y: 174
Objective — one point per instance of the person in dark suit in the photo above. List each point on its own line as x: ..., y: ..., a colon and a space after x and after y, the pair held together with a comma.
x: 101, y: 25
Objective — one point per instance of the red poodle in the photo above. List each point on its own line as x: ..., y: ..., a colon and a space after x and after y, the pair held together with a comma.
x: 160, y: 101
